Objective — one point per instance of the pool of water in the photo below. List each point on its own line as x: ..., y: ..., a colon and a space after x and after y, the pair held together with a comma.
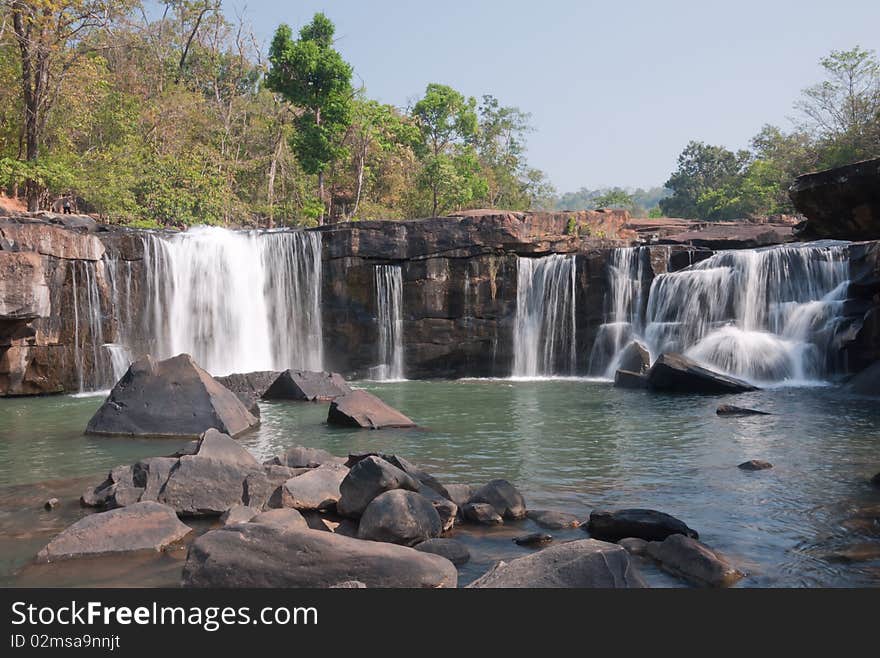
x: 571, y: 445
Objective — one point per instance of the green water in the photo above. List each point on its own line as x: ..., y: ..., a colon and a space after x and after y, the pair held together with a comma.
x: 568, y: 445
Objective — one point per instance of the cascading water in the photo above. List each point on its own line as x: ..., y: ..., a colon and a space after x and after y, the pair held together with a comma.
x: 236, y: 301
x: 389, y: 307
x: 92, y: 368
x: 544, y: 330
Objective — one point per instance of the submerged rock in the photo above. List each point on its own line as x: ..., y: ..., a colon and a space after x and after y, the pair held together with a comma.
x: 533, y: 539
x: 693, y: 561
x: 452, y: 549
x: 481, y: 513
x: 307, y: 386
x: 366, y: 480
x: 646, y: 524
x: 171, y: 398
x: 679, y: 374
x: 362, y: 409
x: 582, y: 563
x: 755, y: 465
x: 137, y: 527
x: 554, y: 520
x: 51, y: 504
x: 400, y: 517
x: 503, y: 497
x: 730, y: 410
x: 866, y: 382
x: 253, y: 555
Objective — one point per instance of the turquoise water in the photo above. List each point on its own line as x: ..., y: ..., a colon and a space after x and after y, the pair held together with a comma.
x: 571, y: 445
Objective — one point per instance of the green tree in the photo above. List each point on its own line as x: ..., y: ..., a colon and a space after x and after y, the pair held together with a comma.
x: 615, y: 198
x: 703, y: 170
x: 311, y: 74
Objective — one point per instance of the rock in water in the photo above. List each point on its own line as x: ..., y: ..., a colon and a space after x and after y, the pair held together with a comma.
x: 362, y: 409
x: 627, y: 379
x: 300, y: 457
x: 367, y: 479
x: 481, y: 513
x: 316, y: 490
x: 867, y: 382
x: 533, y: 539
x: 504, y: 497
x: 146, y: 526
x: 755, y: 465
x: 400, y: 517
x: 452, y: 549
x: 554, y: 520
x: 307, y: 386
x: 460, y: 494
x: 252, y: 555
x: 582, y: 563
x: 171, y: 398
x: 250, y: 384
x: 678, y: 374
x: 646, y: 524
x: 876, y: 480
x: 634, y: 358
x: 730, y: 410
x: 51, y: 504
x: 693, y: 561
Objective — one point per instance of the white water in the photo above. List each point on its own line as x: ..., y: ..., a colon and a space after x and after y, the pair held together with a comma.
x: 91, y: 363
x: 766, y: 315
x: 389, y: 309
x: 235, y: 301
x: 544, y: 329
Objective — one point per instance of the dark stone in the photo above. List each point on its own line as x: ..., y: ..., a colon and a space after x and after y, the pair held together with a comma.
x: 300, y: 457
x: 634, y: 358
x: 633, y: 545
x: 253, y: 555
x: 627, y: 379
x: 533, y: 539
x: 577, y: 564
x: 152, y: 473
x: 452, y: 549
x: 481, y: 513
x: 866, y: 382
x: 238, y: 514
x: 876, y: 480
x: 262, y: 488
x: 171, y: 398
x: 407, y: 467
x: 755, y: 465
x: 460, y: 494
x: 693, y: 561
x: 118, y: 490
x: 365, y: 410
x: 554, y: 520
x: 219, y: 446
x: 367, y: 479
x: 250, y: 384
x: 285, y: 519
x: 316, y: 490
x: 446, y: 510
x: 146, y: 526
x: 307, y: 386
x: 730, y: 410
x: 400, y: 517
x: 646, y: 524
x: 503, y: 496
x: 678, y: 374
x: 202, y: 486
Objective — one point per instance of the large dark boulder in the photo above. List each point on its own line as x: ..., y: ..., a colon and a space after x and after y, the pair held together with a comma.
x: 646, y: 524
x: 634, y: 358
x: 367, y: 479
x: 407, y: 467
x: 627, y: 379
x: 841, y: 203
x: 503, y: 497
x: 307, y: 386
x: 171, y: 398
x: 317, y: 489
x: 254, y: 555
x: 678, y: 374
x: 400, y: 517
x: 250, y: 384
x: 362, y: 409
x: 263, y: 488
x: 866, y: 382
x: 693, y: 561
x: 145, y: 526
x: 582, y: 563
x: 482, y: 513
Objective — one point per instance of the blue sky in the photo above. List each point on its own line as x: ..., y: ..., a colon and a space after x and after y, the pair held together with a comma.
x: 616, y: 89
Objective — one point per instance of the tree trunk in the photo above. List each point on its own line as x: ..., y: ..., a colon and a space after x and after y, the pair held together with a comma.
x: 360, y: 180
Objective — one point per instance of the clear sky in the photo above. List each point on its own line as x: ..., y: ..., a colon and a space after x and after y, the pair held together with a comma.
x: 615, y: 88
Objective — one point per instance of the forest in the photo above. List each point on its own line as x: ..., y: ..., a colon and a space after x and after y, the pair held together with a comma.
x: 172, y: 113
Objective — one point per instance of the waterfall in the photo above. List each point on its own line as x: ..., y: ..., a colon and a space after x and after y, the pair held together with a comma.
x: 92, y: 368
x: 389, y: 309
x: 236, y: 301
x: 544, y: 329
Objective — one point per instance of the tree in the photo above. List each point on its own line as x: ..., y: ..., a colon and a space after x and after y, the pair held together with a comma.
x: 702, y: 170
x: 615, y: 198
x: 449, y: 128
x: 311, y: 74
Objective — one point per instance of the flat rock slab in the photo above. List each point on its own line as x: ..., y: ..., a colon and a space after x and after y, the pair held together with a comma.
x: 693, y: 561
x: 646, y: 524
x: 318, y: 489
x: 146, y: 526
x: 307, y: 386
x: 216, y: 445
x: 362, y: 409
x: 252, y: 555
x: 676, y: 373
x: 554, y: 520
x: 171, y: 398
x: 582, y: 563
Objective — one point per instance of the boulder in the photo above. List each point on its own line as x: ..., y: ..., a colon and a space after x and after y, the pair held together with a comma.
x: 145, y: 526
x: 51, y: 504
x: 201, y: 486
x: 676, y: 373
x: 578, y: 564
x: 646, y: 524
x: 446, y: 510
x: 533, y: 539
x: 503, y: 496
x: 362, y: 409
x: 216, y: 445
x: 254, y: 555
x: 367, y: 479
x: 460, y: 494
x: 481, y: 513
x: 262, y: 488
x: 152, y: 474
x: 755, y: 465
x: 300, y: 457
x: 634, y: 545
x: 238, y: 514
x: 876, y: 480
x: 693, y: 561
x: 627, y: 379
x: 171, y: 398
x: 730, y: 410
x: 452, y: 549
x: 407, y: 467
x: 634, y: 358
x: 554, y: 520
x: 866, y: 382
x: 400, y: 517
x: 307, y: 386
x: 118, y: 490
x: 285, y: 519
x: 250, y: 385
x: 318, y: 489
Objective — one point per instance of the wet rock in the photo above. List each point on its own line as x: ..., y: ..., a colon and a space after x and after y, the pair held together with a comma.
x: 554, y: 520
x: 632, y: 380
x: 365, y: 410
x: 171, y: 398
x: 533, y: 540
x: 118, y: 490
x: 504, y: 497
x: 633, y: 545
x: 646, y: 524
x: 866, y: 382
x: 446, y: 510
x: 317, y: 489
x: 253, y: 555
x: 249, y: 385
x: 307, y: 386
x: 583, y: 563
x: 755, y: 465
x: 284, y: 519
x: 366, y: 480
x: 460, y: 494
x: 137, y: 527
x: 634, y: 358
x: 676, y: 373
x: 481, y: 513
x: 876, y: 480
x: 152, y: 474
x: 693, y: 561
x: 730, y: 410
x: 238, y: 514
x: 400, y: 517
x: 51, y: 504
x: 452, y: 549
